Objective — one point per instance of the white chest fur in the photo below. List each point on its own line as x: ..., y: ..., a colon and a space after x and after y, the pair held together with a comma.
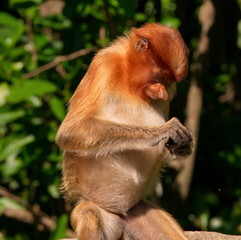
x: 139, y: 115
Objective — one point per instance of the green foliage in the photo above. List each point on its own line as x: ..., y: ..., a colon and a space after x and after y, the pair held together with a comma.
x: 60, y: 231
x: 10, y: 31
x: 31, y: 109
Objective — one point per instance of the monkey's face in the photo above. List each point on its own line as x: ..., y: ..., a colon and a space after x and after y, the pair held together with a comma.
x: 160, y: 61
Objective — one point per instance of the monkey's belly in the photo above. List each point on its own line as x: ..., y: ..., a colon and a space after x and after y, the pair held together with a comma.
x: 114, y: 183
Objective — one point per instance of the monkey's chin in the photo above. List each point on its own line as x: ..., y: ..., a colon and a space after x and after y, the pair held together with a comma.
x: 157, y: 91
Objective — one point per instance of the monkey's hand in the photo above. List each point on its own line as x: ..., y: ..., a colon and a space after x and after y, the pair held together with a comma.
x: 180, y: 141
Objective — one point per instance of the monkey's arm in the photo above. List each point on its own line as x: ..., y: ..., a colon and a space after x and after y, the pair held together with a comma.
x: 102, y: 137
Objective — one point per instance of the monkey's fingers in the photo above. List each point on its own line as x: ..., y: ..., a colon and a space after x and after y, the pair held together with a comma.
x: 183, y: 151
x: 174, y: 140
x: 185, y: 136
x: 188, y: 134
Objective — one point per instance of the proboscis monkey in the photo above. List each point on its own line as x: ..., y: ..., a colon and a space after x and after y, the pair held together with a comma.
x: 116, y: 136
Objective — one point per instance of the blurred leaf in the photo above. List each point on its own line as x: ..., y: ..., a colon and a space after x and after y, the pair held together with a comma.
x: 239, y: 34
x: 10, y: 116
x: 11, y: 29
x: 53, y: 189
x: 57, y: 107
x: 6, y: 202
x: 233, y: 157
x: 204, y: 219
x: 23, y: 5
x: 36, y: 101
x: 23, y: 90
x: 140, y: 17
x: 12, y: 165
x: 14, y: 146
x: 168, y: 6
x: 17, y: 66
x: 56, y: 22
x: 211, y: 199
x: 4, y: 92
x: 61, y: 229
x: 114, y: 3
x: 171, y: 21
x: 40, y: 41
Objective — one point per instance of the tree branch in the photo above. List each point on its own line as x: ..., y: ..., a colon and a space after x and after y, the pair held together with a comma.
x: 203, y: 235
x: 198, y: 68
x: 31, y: 215
x: 33, y: 49
x: 200, y: 235
x: 58, y: 60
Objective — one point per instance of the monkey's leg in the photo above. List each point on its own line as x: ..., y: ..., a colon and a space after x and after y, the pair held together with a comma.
x: 145, y: 222
x: 94, y: 223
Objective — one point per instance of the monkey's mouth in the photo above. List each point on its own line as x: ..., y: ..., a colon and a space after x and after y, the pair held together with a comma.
x: 156, y: 91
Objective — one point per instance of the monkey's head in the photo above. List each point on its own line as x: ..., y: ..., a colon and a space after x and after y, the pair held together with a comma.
x: 142, y: 66
x: 157, y: 60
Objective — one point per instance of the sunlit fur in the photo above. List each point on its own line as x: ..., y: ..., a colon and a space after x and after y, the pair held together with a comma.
x: 115, y: 131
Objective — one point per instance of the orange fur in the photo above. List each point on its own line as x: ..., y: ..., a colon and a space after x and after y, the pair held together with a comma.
x: 116, y: 136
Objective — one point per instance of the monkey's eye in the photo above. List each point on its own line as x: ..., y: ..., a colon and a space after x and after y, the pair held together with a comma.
x: 161, y: 78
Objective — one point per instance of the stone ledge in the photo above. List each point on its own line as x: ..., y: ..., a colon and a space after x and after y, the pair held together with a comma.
x: 200, y: 235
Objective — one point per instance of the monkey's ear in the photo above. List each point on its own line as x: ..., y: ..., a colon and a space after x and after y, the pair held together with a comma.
x: 142, y: 44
